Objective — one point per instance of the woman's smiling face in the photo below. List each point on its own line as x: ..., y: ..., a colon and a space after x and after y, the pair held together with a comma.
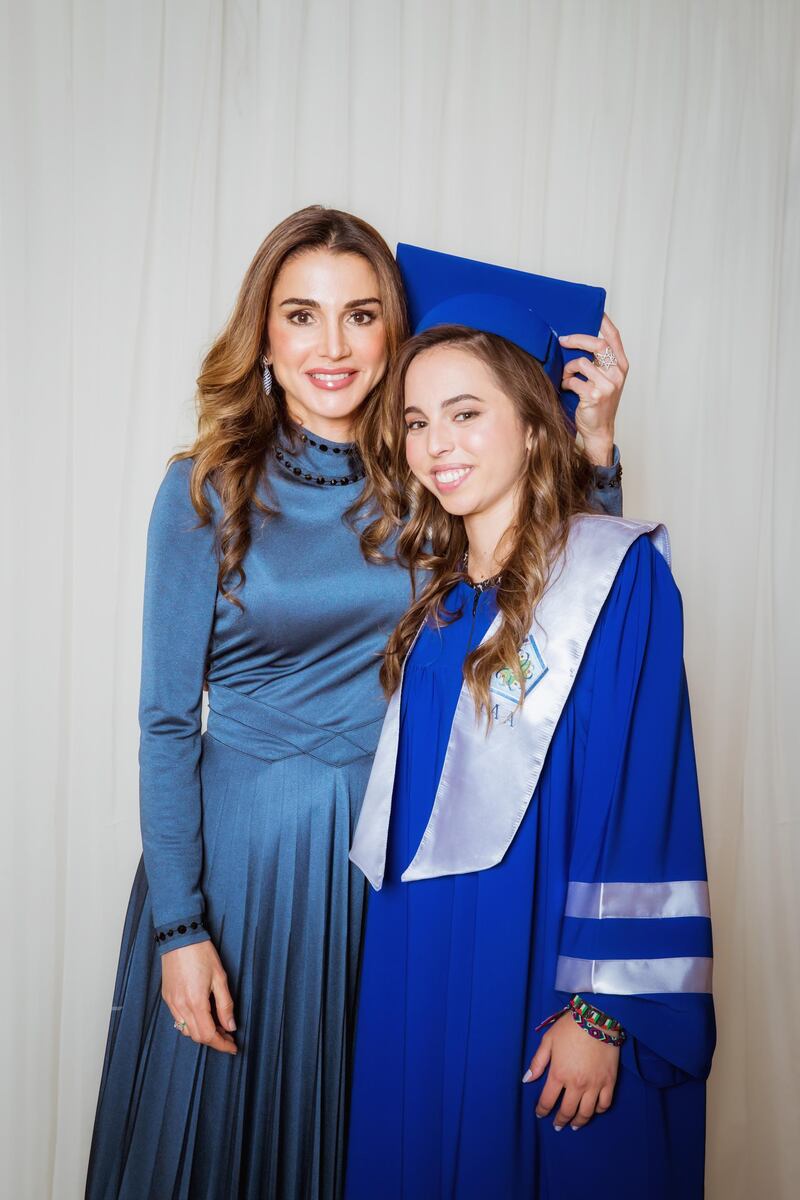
x: 465, y: 440
x: 327, y: 339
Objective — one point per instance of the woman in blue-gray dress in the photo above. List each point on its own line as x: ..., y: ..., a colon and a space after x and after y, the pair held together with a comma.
x: 245, y: 916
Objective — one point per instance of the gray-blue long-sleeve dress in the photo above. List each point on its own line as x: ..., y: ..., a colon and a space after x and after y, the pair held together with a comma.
x: 246, y: 830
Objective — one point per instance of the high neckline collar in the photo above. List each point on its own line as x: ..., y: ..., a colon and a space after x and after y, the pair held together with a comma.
x: 316, y: 439
x: 317, y: 462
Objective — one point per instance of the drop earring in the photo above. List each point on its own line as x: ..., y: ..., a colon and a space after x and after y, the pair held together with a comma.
x: 266, y: 378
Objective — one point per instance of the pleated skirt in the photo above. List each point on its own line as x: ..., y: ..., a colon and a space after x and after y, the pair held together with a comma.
x: 178, y: 1121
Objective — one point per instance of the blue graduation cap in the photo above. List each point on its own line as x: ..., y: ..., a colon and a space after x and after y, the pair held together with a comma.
x: 529, y: 310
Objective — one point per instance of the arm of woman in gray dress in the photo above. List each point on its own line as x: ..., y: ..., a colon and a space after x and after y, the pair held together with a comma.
x: 599, y: 395
x: 179, y: 601
x: 179, y: 598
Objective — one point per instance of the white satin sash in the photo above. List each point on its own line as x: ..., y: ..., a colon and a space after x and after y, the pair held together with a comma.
x: 487, y: 781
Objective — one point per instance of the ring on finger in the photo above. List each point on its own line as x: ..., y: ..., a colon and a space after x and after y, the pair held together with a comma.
x: 605, y: 358
x: 180, y: 1025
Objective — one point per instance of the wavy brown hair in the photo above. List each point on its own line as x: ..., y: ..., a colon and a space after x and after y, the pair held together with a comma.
x: 555, y: 486
x: 237, y: 422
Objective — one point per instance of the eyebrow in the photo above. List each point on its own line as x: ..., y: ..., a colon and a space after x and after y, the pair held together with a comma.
x: 305, y: 303
x: 447, y: 403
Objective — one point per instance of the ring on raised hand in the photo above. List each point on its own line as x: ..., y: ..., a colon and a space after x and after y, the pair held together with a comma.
x: 606, y: 358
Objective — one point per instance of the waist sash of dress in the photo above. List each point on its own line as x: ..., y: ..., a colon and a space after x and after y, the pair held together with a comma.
x: 248, y: 724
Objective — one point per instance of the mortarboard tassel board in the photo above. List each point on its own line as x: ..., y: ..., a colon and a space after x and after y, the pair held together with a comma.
x: 529, y: 310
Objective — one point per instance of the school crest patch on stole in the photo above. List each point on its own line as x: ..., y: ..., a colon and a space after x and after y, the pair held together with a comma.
x: 506, y: 684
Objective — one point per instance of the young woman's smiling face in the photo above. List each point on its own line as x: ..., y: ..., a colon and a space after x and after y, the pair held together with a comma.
x: 327, y: 340
x: 465, y: 440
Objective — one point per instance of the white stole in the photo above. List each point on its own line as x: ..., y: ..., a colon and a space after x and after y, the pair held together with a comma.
x: 487, y: 781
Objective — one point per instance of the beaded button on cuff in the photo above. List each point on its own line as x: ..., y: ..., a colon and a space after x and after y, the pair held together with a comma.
x: 189, y: 927
x: 614, y: 481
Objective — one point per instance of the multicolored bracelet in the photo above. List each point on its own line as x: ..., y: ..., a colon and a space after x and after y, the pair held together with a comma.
x: 601, y: 1035
x: 593, y: 1015
x: 596, y: 1023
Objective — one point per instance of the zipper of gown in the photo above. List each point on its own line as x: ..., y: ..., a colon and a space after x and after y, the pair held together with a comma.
x: 475, y: 600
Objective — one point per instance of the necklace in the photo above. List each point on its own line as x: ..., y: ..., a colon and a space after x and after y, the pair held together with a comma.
x: 301, y: 472
x: 481, y: 585
x: 293, y: 469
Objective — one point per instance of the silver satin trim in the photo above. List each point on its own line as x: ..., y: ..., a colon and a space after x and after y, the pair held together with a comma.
x: 633, y: 976
x: 488, y: 780
x: 368, y: 850
x: 671, y: 898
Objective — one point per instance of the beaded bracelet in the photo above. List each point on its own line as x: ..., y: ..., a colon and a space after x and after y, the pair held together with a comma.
x: 601, y: 1035
x: 179, y: 929
x: 603, y: 1029
x: 593, y: 1015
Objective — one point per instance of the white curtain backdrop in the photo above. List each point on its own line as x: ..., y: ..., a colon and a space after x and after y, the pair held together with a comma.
x: 652, y: 147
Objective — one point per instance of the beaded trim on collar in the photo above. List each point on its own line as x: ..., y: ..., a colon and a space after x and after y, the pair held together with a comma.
x: 322, y: 480
x: 295, y: 463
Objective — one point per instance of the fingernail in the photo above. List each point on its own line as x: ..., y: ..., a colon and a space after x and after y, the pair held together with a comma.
x: 527, y: 1077
x: 563, y: 338
x: 574, y: 1126
x: 558, y: 1128
x: 231, y: 1024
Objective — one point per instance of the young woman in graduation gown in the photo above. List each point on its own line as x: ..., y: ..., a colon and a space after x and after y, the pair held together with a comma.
x: 229, y: 1046
x: 531, y: 825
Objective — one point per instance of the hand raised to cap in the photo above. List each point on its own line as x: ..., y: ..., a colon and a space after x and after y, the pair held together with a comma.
x: 599, y: 393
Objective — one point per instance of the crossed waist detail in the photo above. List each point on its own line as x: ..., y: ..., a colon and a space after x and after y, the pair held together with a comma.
x: 254, y: 727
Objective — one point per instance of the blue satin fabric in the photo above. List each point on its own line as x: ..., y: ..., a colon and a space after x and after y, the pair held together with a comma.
x: 458, y: 970
x: 248, y: 824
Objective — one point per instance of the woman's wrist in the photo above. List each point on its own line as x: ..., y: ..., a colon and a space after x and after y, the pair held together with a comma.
x: 593, y: 1015
x: 595, y: 1022
x: 599, y: 449
x: 615, y: 1038
x: 176, y: 934
x: 591, y: 1019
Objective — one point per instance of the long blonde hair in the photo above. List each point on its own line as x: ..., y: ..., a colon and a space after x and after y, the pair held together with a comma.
x: 555, y: 486
x: 237, y: 422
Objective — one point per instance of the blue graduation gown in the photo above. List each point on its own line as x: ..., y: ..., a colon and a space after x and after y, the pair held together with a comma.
x: 458, y: 970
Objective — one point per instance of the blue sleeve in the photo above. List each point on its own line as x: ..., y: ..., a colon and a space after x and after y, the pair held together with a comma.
x: 636, y: 932
x: 179, y: 599
x: 607, y: 494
